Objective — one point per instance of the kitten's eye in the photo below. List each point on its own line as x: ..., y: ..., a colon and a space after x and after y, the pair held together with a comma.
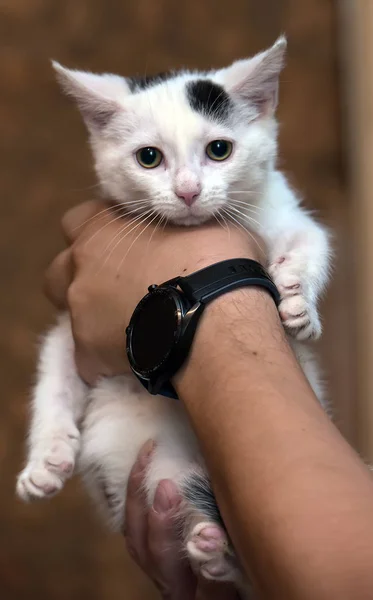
x: 219, y: 149
x: 149, y: 157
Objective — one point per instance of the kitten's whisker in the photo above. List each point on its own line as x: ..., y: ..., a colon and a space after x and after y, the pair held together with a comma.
x: 136, y: 208
x: 165, y: 224
x: 121, y: 230
x: 244, y: 192
x: 215, y: 215
x: 244, y: 215
x: 155, y: 229
x: 136, y: 238
x: 242, y: 205
x: 102, y: 228
x: 256, y: 192
x: 122, y: 209
x: 125, y: 202
x: 232, y: 217
x: 114, y: 209
x: 143, y: 219
x: 136, y: 205
x: 225, y: 221
x: 85, y: 189
x: 252, y: 207
x: 245, y: 202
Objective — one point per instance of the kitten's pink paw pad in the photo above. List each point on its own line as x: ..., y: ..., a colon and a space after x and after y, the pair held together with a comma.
x: 34, y: 483
x: 50, y: 466
x: 297, y: 311
x: 208, y: 538
x: 300, y: 320
x: 208, y: 550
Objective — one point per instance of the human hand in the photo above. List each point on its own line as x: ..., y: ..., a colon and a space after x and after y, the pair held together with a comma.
x: 108, y: 266
x: 154, y: 544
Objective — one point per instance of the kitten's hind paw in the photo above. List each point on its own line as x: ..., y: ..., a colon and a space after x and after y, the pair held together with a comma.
x: 47, y: 471
x: 209, y: 552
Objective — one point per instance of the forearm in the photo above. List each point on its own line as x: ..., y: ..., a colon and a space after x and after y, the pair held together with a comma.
x: 296, y: 499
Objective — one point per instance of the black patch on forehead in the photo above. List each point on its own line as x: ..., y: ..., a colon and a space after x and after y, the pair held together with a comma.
x: 209, y: 98
x: 136, y: 84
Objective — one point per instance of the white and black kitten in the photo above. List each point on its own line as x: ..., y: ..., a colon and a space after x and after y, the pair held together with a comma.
x: 187, y: 147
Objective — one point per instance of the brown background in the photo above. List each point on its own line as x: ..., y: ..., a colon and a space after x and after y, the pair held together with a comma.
x: 58, y: 550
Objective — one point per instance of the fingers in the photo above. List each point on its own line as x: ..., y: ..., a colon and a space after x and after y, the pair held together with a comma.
x: 136, y: 509
x: 173, y: 574
x: 151, y: 535
x: 60, y: 273
x: 76, y: 218
x: 58, y: 278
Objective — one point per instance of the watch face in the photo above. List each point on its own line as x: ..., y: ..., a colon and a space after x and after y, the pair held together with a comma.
x: 155, y: 329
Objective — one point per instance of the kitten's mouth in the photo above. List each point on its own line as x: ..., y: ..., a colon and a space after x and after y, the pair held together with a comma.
x: 186, y: 216
x: 190, y: 220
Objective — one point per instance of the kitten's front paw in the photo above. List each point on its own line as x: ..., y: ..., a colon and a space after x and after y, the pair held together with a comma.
x: 298, y: 313
x: 209, y: 552
x: 300, y: 320
x: 49, y: 466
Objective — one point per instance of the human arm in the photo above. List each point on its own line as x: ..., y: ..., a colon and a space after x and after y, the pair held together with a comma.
x: 293, y: 494
x: 295, y: 498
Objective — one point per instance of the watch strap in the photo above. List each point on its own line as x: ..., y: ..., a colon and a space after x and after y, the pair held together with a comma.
x: 217, y: 279
x: 209, y: 283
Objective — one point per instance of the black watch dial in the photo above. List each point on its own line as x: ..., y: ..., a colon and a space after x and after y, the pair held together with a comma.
x: 154, y: 330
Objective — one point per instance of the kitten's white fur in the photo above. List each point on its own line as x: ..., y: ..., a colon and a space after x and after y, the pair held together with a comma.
x: 105, y: 427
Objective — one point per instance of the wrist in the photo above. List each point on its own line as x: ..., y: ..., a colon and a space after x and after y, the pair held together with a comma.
x: 229, y: 333
x: 163, y: 326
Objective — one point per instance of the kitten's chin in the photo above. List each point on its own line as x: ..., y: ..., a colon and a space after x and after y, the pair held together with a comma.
x: 191, y: 220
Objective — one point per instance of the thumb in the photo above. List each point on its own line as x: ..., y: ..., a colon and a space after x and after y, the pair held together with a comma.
x: 173, y: 574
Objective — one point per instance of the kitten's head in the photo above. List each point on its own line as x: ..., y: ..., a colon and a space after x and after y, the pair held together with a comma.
x: 186, y: 145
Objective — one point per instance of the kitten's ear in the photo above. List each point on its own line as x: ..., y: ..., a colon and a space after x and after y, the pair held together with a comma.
x: 256, y: 79
x: 98, y: 96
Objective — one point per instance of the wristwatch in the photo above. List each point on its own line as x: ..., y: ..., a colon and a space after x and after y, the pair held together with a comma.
x: 162, y: 327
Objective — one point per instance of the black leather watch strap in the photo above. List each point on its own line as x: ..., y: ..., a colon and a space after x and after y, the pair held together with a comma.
x: 217, y: 279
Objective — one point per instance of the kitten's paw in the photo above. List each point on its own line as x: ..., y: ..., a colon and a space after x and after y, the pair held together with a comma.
x: 47, y: 471
x: 209, y: 552
x: 298, y: 313
x: 300, y: 320
x: 36, y: 482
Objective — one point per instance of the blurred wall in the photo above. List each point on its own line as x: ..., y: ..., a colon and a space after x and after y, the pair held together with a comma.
x: 58, y: 550
x: 356, y: 43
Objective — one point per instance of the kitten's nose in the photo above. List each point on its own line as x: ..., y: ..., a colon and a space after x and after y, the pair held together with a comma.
x: 188, y: 197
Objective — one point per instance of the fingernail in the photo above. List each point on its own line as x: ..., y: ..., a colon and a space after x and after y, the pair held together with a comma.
x: 165, y: 496
x: 145, y: 453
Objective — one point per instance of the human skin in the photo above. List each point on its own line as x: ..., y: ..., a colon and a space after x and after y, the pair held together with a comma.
x: 296, y: 499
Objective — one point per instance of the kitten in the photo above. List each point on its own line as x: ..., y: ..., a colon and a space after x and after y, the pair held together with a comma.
x: 195, y: 145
